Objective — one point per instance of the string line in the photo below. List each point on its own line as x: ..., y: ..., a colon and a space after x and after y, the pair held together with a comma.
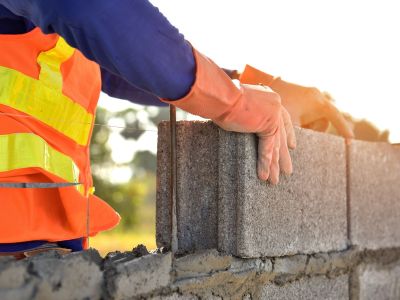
x: 78, y: 122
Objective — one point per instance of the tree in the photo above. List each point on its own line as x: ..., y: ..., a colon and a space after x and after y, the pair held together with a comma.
x: 125, y: 198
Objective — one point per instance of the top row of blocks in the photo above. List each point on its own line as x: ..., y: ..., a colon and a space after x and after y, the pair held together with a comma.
x: 336, y: 197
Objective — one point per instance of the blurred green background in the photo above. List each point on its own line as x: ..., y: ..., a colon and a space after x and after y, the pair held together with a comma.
x: 132, y: 192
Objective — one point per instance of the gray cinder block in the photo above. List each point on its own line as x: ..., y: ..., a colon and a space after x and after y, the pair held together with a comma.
x: 378, y: 282
x: 130, y: 276
x: 74, y: 276
x: 222, y: 203
x: 305, y: 213
x: 197, y: 178
x: 15, y: 280
x: 374, y: 195
x: 314, y: 288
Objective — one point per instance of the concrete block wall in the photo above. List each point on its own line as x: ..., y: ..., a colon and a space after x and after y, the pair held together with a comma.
x: 340, y: 198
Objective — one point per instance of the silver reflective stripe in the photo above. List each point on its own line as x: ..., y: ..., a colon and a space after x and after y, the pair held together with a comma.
x: 38, y: 185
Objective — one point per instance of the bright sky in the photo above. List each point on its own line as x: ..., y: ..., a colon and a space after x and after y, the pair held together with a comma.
x: 350, y: 48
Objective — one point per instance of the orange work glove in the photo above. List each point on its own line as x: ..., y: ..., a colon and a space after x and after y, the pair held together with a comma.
x: 246, y: 109
x: 307, y: 106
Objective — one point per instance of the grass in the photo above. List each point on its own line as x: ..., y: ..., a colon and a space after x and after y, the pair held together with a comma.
x: 126, y: 240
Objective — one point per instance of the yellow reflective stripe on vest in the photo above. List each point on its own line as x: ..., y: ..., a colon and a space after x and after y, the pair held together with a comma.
x: 43, y: 99
x: 50, y: 63
x: 27, y: 150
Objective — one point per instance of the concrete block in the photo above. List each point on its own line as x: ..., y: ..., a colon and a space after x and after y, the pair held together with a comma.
x: 74, y: 276
x: 131, y: 277
x: 25, y: 292
x: 197, y: 177
x: 13, y: 274
x: 317, y: 288
x: 374, y: 195
x: 221, y: 202
x: 201, y: 263
x: 15, y: 280
x: 50, y: 276
x: 305, y: 213
x: 378, y: 282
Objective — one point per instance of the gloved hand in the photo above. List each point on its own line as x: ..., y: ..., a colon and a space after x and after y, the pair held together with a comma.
x: 308, y: 107
x: 246, y: 109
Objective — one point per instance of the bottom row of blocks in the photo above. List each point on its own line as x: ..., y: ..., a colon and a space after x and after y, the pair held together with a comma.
x: 204, y: 275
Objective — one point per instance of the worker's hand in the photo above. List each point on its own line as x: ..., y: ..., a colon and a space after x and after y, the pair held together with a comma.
x: 249, y: 108
x: 259, y: 110
x: 310, y: 108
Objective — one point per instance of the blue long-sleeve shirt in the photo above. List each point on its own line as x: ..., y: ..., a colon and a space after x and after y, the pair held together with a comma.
x: 141, y: 55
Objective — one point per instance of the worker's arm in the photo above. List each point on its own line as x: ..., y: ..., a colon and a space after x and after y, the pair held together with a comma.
x: 117, y: 87
x: 134, y: 41
x: 129, y: 39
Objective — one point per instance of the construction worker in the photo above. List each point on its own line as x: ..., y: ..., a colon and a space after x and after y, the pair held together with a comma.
x: 56, y: 56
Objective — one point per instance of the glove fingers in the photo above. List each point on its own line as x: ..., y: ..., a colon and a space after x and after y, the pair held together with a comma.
x: 274, y: 168
x: 338, y: 121
x: 320, y: 125
x: 265, y: 153
x: 285, y: 161
x: 291, y: 137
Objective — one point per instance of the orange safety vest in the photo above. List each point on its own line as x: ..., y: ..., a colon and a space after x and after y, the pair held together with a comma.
x: 48, y: 97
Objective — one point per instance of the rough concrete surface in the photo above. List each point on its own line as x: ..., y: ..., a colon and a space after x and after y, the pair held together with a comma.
x: 175, y: 296
x: 49, y: 276
x: 378, y: 282
x: 228, y: 191
x: 374, y: 195
x: 163, y: 208
x: 207, y: 274
x: 318, y: 264
x: 15, y: 280
x: 197, y: 179
x: 315, y: 288
x: 128, y: 277
x: 291, y: 265
x: 203, y: 262
x: 305, y: 213
x: 76, y: 276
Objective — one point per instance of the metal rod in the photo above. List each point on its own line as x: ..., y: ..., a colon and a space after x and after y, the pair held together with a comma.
x: 173, y: 180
